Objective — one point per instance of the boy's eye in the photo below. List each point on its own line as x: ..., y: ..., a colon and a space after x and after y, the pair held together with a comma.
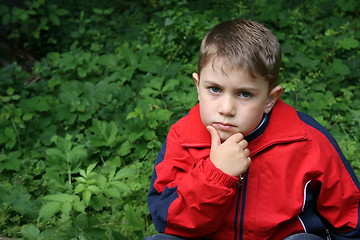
x: 214, y: 89
x: 245, y: 94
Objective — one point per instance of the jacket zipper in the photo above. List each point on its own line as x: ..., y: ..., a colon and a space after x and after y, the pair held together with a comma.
x: 236, y: 225
x: 240, y: 205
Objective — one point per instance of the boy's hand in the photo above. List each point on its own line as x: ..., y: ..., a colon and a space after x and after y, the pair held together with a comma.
x: 231, y: 156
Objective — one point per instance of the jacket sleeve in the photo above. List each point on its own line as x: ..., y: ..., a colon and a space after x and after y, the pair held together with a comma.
x: 188, y: 199
x: 339, y: 196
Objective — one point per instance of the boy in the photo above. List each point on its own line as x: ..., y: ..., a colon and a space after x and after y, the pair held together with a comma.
x: 245, y: 165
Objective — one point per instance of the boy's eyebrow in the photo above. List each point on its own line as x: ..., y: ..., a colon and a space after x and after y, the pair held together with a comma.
x: 209, y: 82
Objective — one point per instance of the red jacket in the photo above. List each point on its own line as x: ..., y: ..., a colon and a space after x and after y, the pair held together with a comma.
x: 298, y: 181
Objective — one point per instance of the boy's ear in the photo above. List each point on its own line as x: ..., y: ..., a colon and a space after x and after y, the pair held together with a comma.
x: 196, y: 79
x: 272, y: 98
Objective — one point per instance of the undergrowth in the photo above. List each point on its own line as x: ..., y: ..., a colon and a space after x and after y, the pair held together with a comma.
x: 79, y: 132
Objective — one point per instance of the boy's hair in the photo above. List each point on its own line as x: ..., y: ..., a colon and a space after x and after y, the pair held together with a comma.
x: 242, y: 44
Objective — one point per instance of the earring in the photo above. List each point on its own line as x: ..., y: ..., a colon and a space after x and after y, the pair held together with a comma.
x: 268, y: 110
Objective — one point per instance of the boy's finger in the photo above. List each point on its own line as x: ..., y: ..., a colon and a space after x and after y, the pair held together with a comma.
x: 215, y: 137
x: 237, y: 137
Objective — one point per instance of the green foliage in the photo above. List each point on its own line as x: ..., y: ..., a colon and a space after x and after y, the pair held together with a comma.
x: 79, y: 134
x: 31, y: 23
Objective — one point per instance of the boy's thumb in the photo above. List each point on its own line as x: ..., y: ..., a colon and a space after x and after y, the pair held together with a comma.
x: 215, y: 137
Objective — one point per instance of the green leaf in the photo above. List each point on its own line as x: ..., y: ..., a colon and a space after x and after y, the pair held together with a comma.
x: 37, y: 103
x: 135, y: 136
x: 134, y: 218
x: 156, y: 83
x: 152, y: 64
x: 340, y: 68
x: 98, y: 202
x: 168, y: 22
x: 100, y: 180
x: 22, y: 203
x: 13, y: 161
x: 121, y: 186
x: 158, y: 115
x: 356, y: 115
x: 82, y: 221
x: 62, y: 197
x: 87, y: 196
x: 164, y: 114
x: 149, y: 134
x: 23, y: 16
x: 76, y: 155
x: 79, y: 206
x: 105, y: 134
x: 347, y: 5
x: 61, y: 12
x: 6, y: 18
x: 136, y: 113
x: 48, y: 210
x: 125, y: 172
x: 79, y: 188
x: 125, y: 148
x: 10, y: 91
x: 130, y: 56
x: 11, y: 137
x: 10, y: 133
x: 348, y: 43
x: 15, y: 97
x: 54, y: 19
x: 30, y: 231
x: 55, y: 153
x: 112, y: 192
x: 96, y: 233
x: 90, y: 168
x: 66, y: 209
x: 94, y: 189
x: 63, y: 144
x: 112, y: 170
x: 170, y: 85
x: 27, y: 116
x: 17, y: 11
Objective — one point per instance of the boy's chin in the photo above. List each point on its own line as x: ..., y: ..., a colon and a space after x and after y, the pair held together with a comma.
x: 225, y: 135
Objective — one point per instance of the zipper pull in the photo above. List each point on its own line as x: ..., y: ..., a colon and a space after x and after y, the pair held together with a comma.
x: 241, y: 180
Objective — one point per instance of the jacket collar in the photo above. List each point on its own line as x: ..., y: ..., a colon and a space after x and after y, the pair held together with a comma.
x: 283, y: 125
x: 193, y: 132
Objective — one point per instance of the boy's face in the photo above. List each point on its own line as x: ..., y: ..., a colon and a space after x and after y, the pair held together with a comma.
x: 233, y: 102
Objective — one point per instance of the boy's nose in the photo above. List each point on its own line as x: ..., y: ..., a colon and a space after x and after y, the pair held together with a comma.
x: 227, y: 107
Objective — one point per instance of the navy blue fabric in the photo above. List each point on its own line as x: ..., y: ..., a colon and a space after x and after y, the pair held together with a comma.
x: 165, y: 199
x: 303, y: 236
x: 309, y: 217
x: 163, y: 237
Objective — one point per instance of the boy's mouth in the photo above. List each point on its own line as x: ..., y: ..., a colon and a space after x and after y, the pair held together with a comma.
x: 223, y: 126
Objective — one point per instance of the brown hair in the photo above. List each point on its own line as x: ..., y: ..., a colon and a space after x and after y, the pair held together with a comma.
x: 243, y: 44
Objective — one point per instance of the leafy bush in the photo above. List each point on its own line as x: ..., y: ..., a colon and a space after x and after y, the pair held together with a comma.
x: 80, y: 132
